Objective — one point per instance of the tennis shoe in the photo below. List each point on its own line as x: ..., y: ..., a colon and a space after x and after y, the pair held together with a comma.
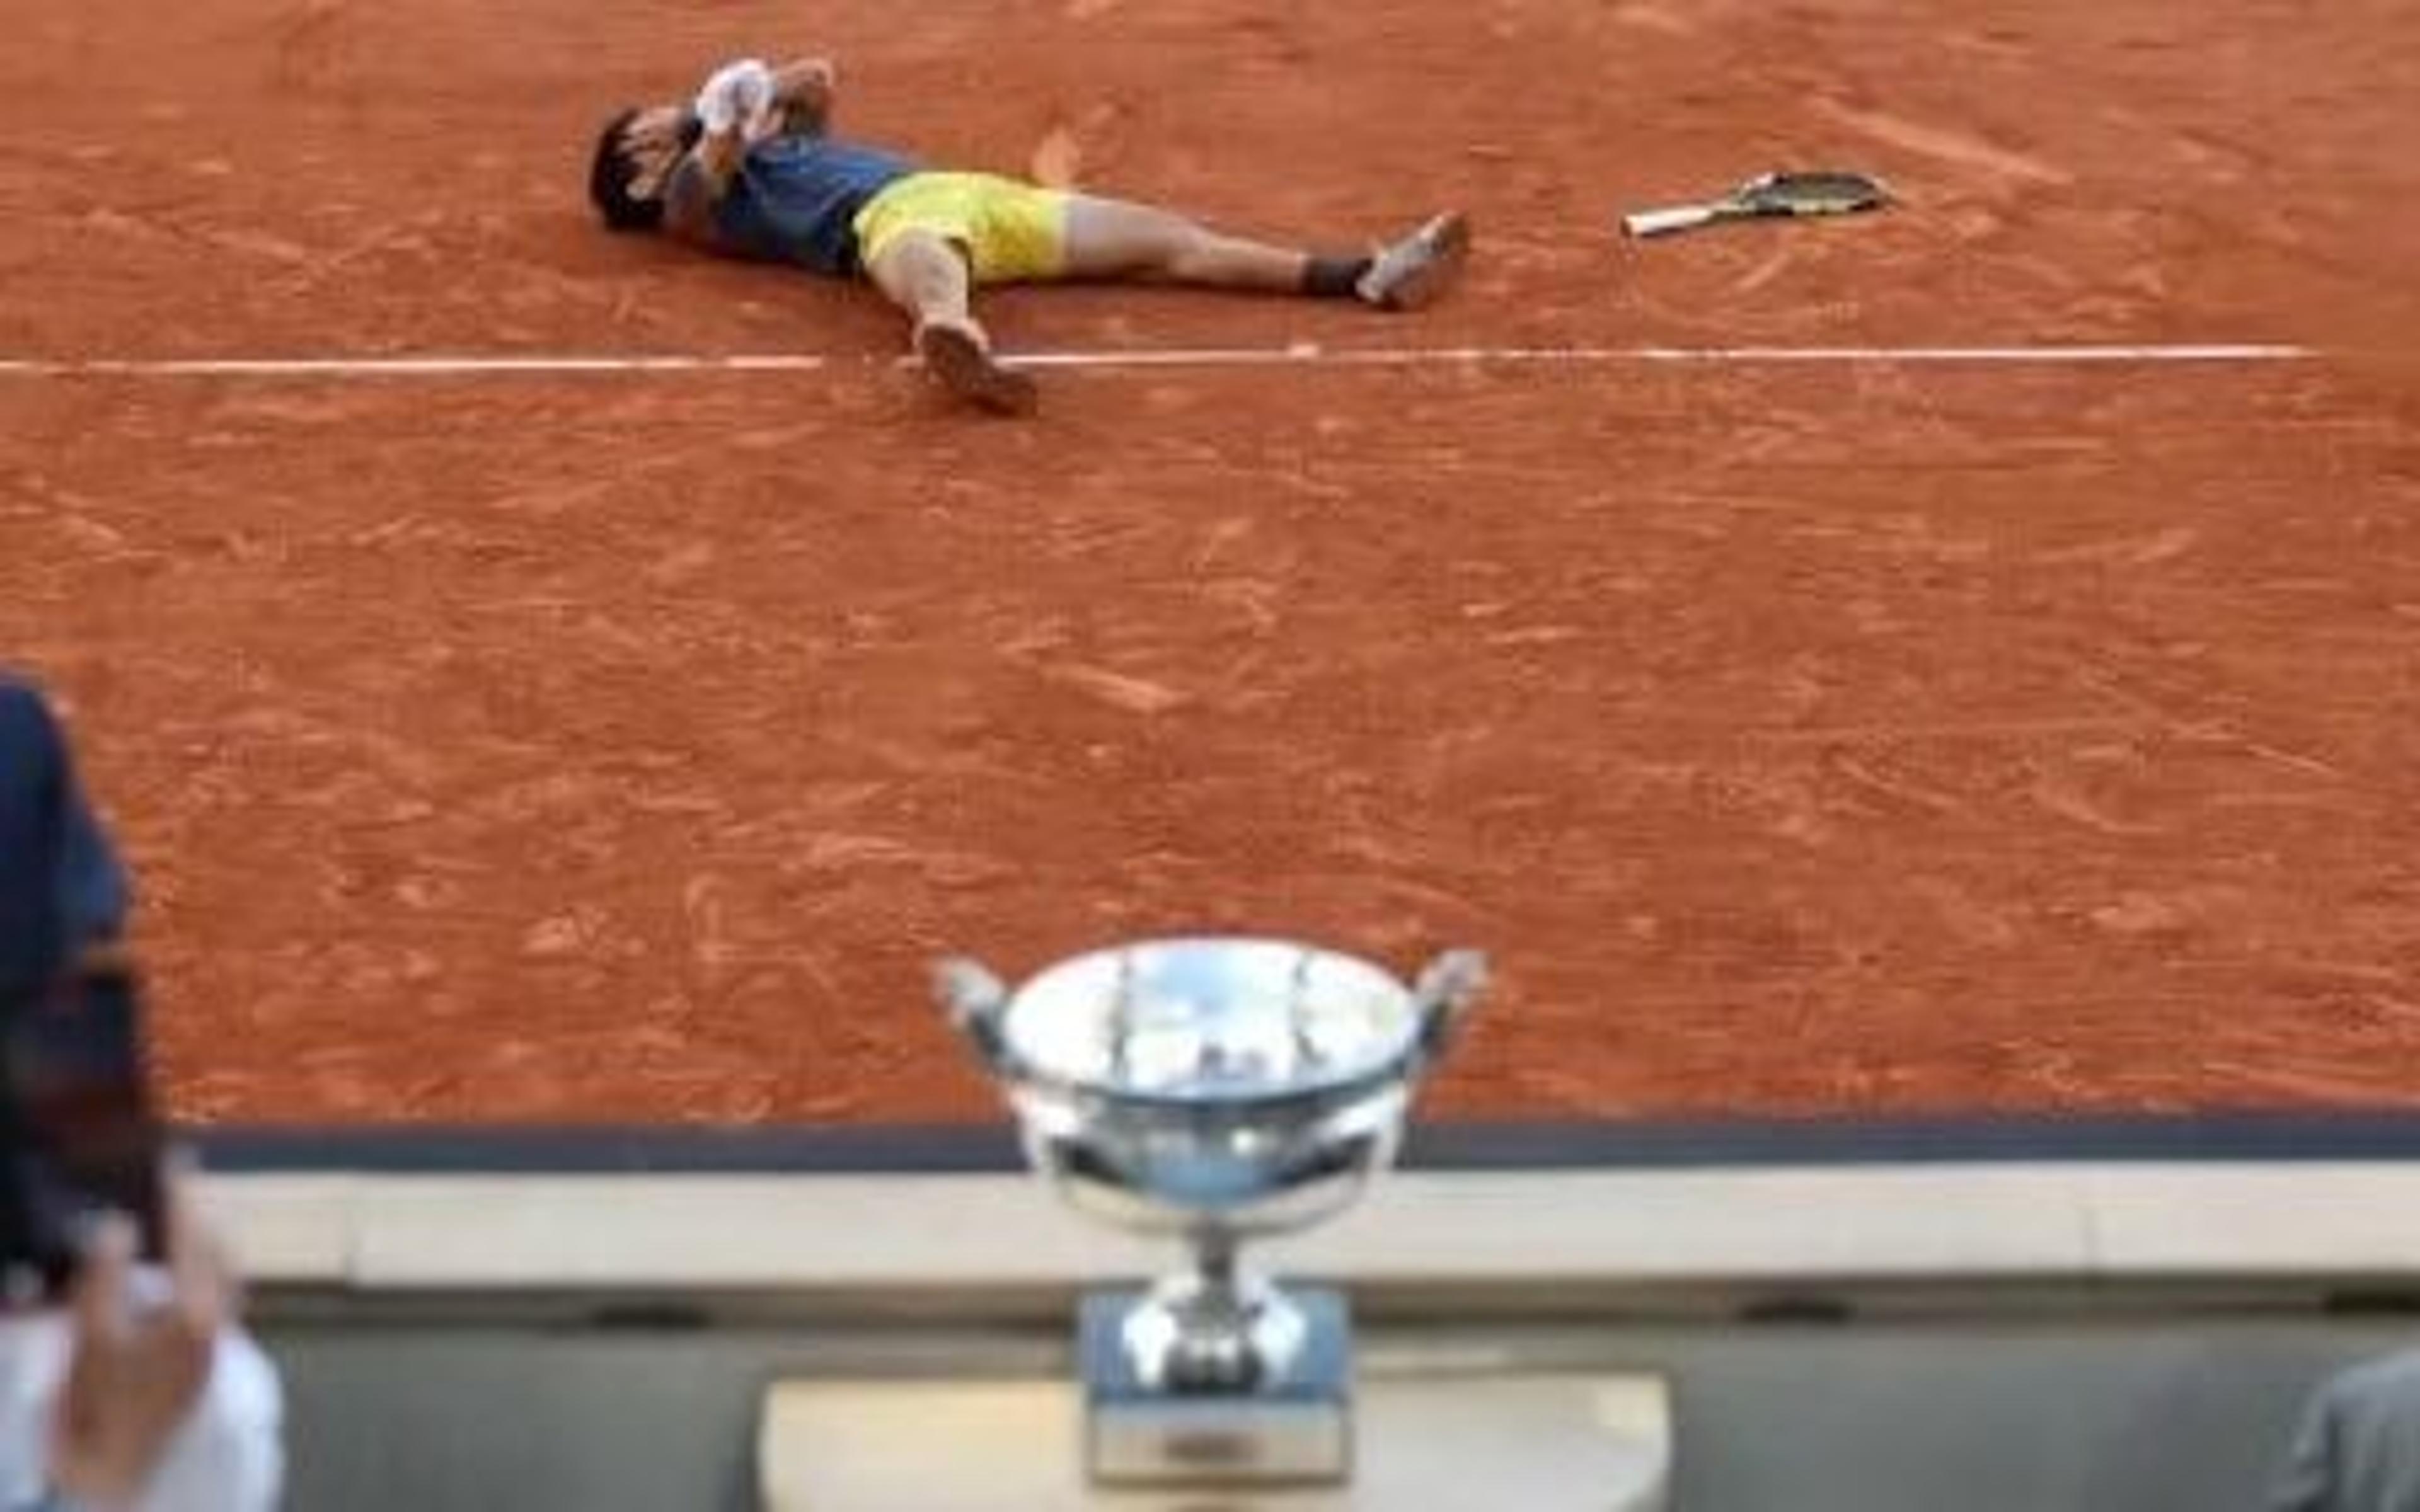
x: 1412, y: 273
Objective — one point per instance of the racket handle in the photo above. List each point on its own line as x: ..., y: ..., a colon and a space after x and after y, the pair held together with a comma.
x: 1658, y: 223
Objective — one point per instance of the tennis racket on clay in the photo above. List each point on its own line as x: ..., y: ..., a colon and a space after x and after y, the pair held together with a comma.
x: 1767, y: 195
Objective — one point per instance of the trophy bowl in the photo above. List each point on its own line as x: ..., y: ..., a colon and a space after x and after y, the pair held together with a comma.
x: 1250, y: 1086
x: 1213, y: 1089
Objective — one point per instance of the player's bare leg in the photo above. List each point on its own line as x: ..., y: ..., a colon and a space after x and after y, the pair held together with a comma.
x: 1112, y: 238
x: 926, y: 277
x: 1108, y: 239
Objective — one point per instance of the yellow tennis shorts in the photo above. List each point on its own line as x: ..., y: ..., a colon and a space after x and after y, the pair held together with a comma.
x: 1011, y: 231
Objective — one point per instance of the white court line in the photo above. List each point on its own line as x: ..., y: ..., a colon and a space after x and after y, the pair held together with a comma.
x: 569, y: 364
x: 422, y: 366
x: 1464, y: 356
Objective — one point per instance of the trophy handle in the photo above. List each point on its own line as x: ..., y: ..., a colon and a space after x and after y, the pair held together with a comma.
x: 974, y: 999
x: 1448, y: 988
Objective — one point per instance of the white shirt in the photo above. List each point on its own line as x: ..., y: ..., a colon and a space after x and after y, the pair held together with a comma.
x: 227, y: 1456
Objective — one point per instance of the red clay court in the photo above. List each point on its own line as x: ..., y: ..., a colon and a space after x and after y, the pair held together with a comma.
x: 1805, y: 725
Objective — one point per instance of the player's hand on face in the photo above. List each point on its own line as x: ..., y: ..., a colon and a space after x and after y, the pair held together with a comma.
x: 656, y: 136
x: 654, y: 130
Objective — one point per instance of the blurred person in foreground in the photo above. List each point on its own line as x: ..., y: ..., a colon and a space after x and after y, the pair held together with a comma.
x: 125, y: 1384
x: 751, y: 171
x: 2358, y: 1446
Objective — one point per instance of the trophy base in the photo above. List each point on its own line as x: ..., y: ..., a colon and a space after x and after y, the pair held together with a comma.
x: 1297, y: 1430
x: 1560, y: 1438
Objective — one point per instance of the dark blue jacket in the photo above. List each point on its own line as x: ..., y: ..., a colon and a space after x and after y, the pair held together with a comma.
x: 60, y: 885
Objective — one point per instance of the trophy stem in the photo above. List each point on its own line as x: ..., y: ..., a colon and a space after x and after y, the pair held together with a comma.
x: 1214, y: 1262
x: 1215, y: 1327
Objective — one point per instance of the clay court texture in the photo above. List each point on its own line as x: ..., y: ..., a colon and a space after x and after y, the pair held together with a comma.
x: 1818, y: 685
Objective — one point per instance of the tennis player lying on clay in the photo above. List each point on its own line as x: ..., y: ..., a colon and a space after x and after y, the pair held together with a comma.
x: 750, y: 171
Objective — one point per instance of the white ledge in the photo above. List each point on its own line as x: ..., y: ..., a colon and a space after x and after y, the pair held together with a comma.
x: 2038, y: 1222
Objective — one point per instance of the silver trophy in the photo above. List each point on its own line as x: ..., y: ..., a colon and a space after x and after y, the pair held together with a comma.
x: 1213, y: 1090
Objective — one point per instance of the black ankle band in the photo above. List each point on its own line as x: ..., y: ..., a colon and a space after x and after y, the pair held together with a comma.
x: 1333, y: 278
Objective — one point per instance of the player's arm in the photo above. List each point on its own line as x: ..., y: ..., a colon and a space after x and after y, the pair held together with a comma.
x: 698, y: 181
x: 802, y: 93
x: 736, y: 109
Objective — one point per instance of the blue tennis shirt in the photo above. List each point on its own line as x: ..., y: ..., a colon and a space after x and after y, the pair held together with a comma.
x: 794, y: 198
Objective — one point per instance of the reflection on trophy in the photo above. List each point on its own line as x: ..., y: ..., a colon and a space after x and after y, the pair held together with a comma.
x: 1213, y: 1089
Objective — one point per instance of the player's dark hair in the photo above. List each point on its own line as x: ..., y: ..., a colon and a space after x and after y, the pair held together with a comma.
x: 611, y: 172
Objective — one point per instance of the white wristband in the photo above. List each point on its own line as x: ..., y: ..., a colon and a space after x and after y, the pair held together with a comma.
x: 736, y: 93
